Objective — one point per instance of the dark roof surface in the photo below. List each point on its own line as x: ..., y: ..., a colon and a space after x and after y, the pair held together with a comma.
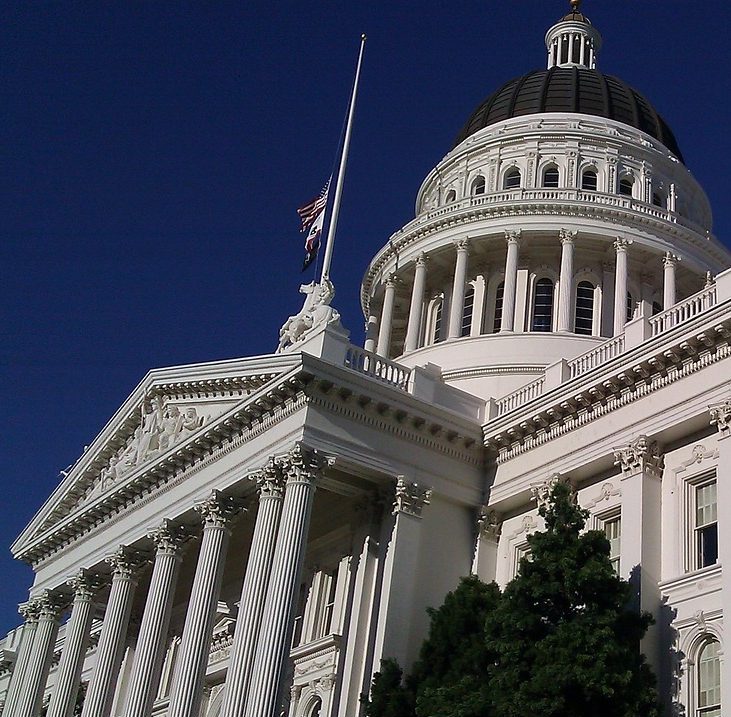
x: 571, y: 89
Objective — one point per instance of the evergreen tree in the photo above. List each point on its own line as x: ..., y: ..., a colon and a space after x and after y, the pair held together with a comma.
x: 568, y: 645
x: 389, y: 698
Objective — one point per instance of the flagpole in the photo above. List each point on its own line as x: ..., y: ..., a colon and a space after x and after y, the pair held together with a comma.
x: 341, y: 172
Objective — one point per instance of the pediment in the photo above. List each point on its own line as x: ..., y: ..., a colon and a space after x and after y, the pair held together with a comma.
x: 168, y: 410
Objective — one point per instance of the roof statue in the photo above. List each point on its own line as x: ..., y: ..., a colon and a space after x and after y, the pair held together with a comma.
x: 315, y: 313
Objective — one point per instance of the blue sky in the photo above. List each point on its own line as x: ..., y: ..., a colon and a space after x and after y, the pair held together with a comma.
x: 154, y: 153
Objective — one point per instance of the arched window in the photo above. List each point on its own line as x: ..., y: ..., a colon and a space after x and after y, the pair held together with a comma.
x: 499, y: 295
x: 709, y: 680
x: 542, y: 305
x: 467, y: 310
x: 589, y: 180
x: 437, y: 322
x: 512, y: 179
x: 315, y: 709
x: 584, y: 321
x: 625, y: 186
x: 451, y: 196
x: 478, y: 186
x: 550, y: 176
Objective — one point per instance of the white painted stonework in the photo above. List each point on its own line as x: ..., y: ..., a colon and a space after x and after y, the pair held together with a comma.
x: 251, y: 537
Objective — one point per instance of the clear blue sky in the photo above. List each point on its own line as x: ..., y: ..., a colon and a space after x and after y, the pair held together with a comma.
x: 153, y: 155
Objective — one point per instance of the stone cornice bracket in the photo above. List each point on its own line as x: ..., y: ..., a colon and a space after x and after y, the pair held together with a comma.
x: 621, y: 244
x: 512, y: 236
x: 304, y: 464
x: 721, y: 417
x: 50, y: 604
x: 541, y: 492
x: 85, y: 584
x: 126, y: 561
x: 169, y: 537
x: 270, y: 479
x: 641, y: 456
x: 410, y: 498
x: 218, y: 510
x: 567, y: 236
x: 489, y: 523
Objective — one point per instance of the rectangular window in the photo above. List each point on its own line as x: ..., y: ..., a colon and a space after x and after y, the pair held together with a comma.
x: 706, y: 525
x: 467, y: 309
x: 613, y: 531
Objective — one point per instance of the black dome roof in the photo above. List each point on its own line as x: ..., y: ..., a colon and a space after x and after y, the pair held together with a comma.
x: 571, y: 89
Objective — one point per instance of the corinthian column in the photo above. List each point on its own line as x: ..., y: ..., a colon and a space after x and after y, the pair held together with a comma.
x: 385, y: 325
x: 302, y: 467
x: 417, y: 304
x: 125, y: 563
x: 78, y: 628
x: 507, y: 322
x: 620, y: 285
x: 270, y: 484
x: 668, y: 292
x: 169, y: 539
x: 217, y: 512
x: 29, y: 611
x: 566, y: 280
x: 39, y: 662
x: 458, y: 289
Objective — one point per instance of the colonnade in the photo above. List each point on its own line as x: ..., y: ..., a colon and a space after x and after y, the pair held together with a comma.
x: 285, y: 489
x: 382, y: 326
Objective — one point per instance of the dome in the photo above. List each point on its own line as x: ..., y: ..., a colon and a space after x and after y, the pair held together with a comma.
x: 571, y: 89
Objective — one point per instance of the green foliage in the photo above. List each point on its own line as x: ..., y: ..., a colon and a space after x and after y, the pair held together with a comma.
x: 558, y: 642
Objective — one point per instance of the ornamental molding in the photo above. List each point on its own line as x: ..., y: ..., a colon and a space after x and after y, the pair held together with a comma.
x: 410, y: 498
x: 127, y: 562
x: 541, y: 491
x: 491, y: 371
x: 270, y: 479
x: 169, y: 537
x: 607, y: 491
x: 303, y: 464
x: 721, y: 417
x: 218, y: 510
x: 699, y: 454
x: 85, y: 584
x: 489, y: 523
x: 640, y: 456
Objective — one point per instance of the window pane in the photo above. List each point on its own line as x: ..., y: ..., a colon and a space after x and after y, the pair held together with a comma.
x: 498, y: 307
x: 709, y: 679
x: 589, y: 181
x: 437, y: 335
x: 706, y: 510
x: 625, y: 187
x: 613, y: 531
x: 550, y: 177
x: 542, y: 305
x: 512, y: 179
x: 630, y: 307
x: 469, y: 305
x: 584, y: 322
x: 707, y: 545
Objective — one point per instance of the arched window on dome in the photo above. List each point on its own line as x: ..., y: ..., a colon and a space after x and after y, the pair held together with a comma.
x: 435, y: 320
x: 550, y: 176
x: 468, y: 310
x: 315, y: 709
x: 626, y: 185
x: 542, y: 305
x: 478, y: 185
x: 709, y: 679
x: 499, y: 296
x: 589, y: 180
x: 450, y: 197
x: 512, y: 179
x: 584, y: 314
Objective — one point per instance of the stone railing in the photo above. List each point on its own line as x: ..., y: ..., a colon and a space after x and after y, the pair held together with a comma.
x: 684, y: 310
x: 521, y: 396
x: 597, y: 356
x: 377, y: 367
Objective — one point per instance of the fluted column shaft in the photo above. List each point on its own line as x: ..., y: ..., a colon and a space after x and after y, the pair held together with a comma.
x: 458, y: 289
x: 416, y: 309
x: 371, y: 333
x: 187, y: 692
x: 620, y: 286
x: 76, y: 642
x: 29, y: 611
x: 385, y: 326
x: 155, y: 621
x: 270, y: 482
x: 110, y: 651
x: 39, y: 663
x: 511, y: 281
x: 668, y: 291
x: 566, y: 280
x: 301, y: 467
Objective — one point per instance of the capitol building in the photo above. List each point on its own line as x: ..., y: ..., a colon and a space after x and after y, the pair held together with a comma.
x: 249, y: 538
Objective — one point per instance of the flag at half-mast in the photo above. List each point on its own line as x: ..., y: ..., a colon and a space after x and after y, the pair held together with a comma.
x: 312, y: 215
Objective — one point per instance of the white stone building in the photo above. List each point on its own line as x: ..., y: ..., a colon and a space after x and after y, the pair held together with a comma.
x: 250, y: 537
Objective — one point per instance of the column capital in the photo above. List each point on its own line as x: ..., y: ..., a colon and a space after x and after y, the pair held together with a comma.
x: 169, y: 537
x: 670, y: 259
x: 721, y: 417
x: 304, y: 464
x: 640, y: 456
x: 489, y: 523
x: 621, y: 244
x: 84, y: 584
x: 541, y: 491
x: 29, y: 610
x: 218, y: 510
x: 513, y: 236
x: 392, y: 280
x: 462, y: 245
x: 126, y: 561
x: 567, y: 236
x: 50, y: 604
x: 410, y: 498
x: 422, y: 260
x: 270, y: 479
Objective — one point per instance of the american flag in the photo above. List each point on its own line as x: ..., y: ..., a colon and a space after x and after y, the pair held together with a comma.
x: 312, y: 215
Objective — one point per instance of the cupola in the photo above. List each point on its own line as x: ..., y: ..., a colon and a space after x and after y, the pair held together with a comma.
x: 573, y: 41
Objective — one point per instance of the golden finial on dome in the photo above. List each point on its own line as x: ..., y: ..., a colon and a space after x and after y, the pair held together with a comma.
x: 575, y: 5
